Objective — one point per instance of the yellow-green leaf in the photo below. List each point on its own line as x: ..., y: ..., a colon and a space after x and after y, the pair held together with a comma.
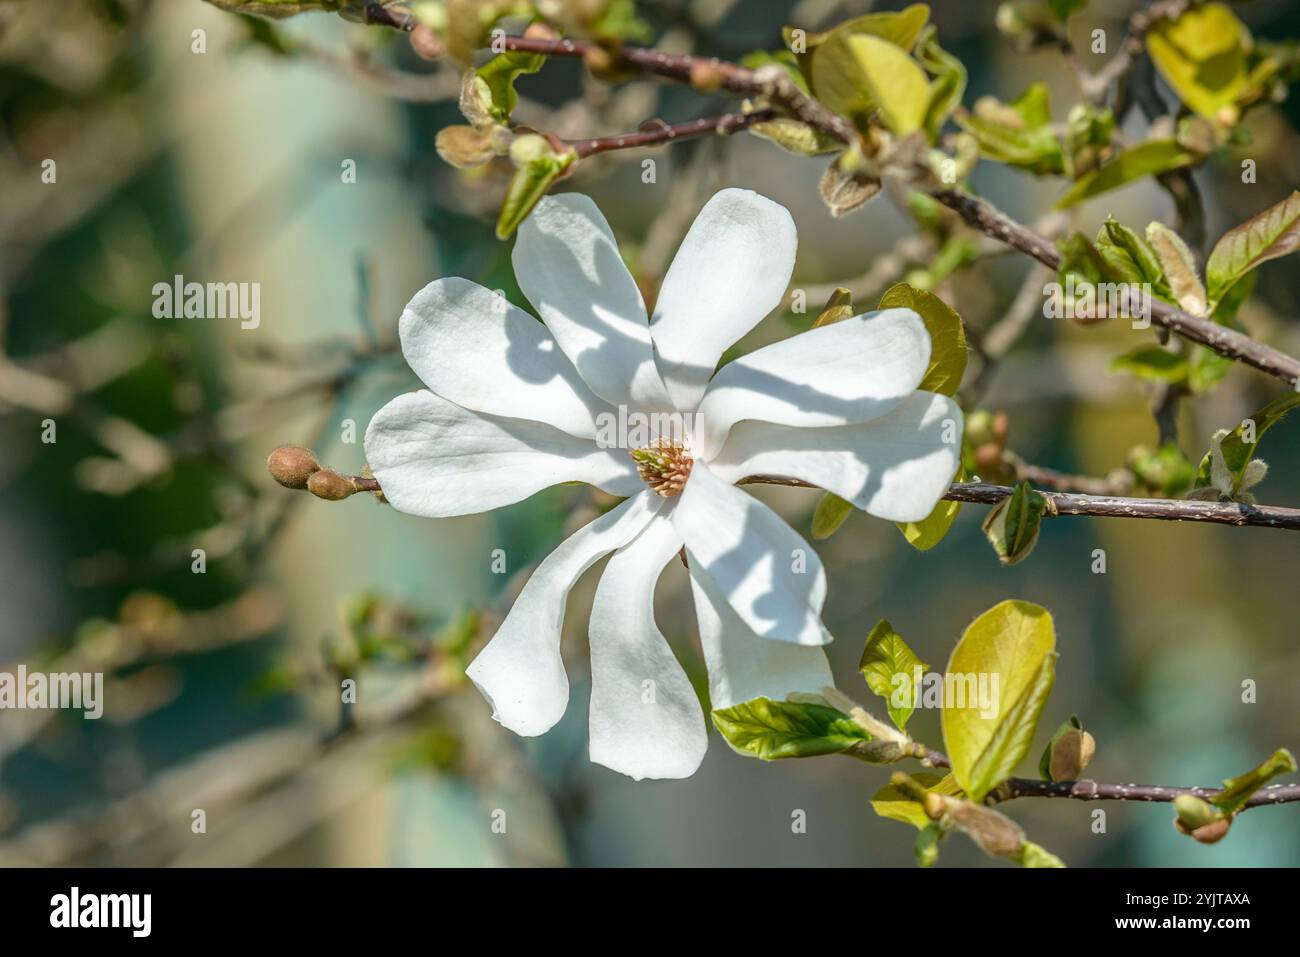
x: 947, y: 336
x: 1274, y: 232
x: 771, y: 730
x: 932, y: 529
x: 538, y: 165
x: 1202, y: 56
x: 890, y: 669
x: 897, y: 805
x: 829, y: 65
x: 830, y: 515
x: 1014, y: 641
x: 1148, y: 159
x: 1237, y: 791
x: 894, y: 82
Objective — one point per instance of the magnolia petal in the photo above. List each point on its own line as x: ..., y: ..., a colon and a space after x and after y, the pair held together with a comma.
x: 760, y: 565
x: 896, y: 467
x: 731, y: 270
x: 646, y: 721
x: 568, y: 265
x: 520, y: 671
x: 845, y: 372
x: 742, y: 666
x: 472, y: 346
x: 434, y: 458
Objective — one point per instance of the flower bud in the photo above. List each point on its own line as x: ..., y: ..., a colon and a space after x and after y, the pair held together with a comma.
x: 463, y: 146
x: 705, y: 76
x: 292, y: 465
x: 330, y: 485
x: 1071, y: 753
x: 425, y: 43
x: 1194, y: 813
x: 1213, y: 832
x: 537, y: 30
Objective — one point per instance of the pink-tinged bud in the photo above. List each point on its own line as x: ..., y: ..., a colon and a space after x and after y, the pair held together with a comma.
x: 330, y: 485
x: 292, y: 465
x: 425, y: 43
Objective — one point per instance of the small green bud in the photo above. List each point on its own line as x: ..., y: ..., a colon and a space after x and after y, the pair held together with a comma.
x: 1194, y: 813
x: 292, y: 465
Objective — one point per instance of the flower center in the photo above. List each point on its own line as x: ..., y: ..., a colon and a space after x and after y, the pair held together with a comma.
x: 664, y: 465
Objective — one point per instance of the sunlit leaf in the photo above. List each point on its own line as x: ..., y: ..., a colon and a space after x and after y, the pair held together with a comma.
x: 1014, y: 641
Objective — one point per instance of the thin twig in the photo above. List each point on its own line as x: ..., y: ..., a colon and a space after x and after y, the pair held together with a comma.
x: 656, y: 134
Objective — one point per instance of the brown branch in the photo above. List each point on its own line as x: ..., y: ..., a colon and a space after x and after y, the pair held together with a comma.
x: 985, y: 217
x: 1093, y: 791
x: 1107, y: 506
x: 656, y: 134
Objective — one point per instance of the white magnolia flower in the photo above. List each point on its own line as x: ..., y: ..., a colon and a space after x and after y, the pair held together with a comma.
x: 514, y: 406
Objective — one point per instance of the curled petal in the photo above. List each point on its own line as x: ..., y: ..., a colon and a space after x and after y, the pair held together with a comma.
x: 846, y: 372
x: 434, y: 458
x: 646, y: 721
x: 520, y: 670
x: 896, y: 466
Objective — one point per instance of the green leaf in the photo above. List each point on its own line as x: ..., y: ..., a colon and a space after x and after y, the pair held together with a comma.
x: 897, y: 805
x: 1237, y: 791
x: 1012, y: 525
x: 1237, y: 452
x: 831, y: 513
x: 930, y: 531
x: 1202, y: 56
x: 537, y: 167
x: 1031, y: 855
x: 948, y: 85
x: 1015, y: 641
x: 1128, y: 254
x: 1152, y: 363
x: 1268, y: 235
x: 893, y: 82
x: 830, y: 67
x: 947, y: 336
x: 771, y: 730
x: 1063, y: 8
x: 889, y: 667
x: 495, y: 81
x: 1148, y: 159
x: 926, y: 846
x: 1018, y: 134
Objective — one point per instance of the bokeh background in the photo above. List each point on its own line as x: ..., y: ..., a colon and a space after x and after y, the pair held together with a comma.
x: 226, y: 165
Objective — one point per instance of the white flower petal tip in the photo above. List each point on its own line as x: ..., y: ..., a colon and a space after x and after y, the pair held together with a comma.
x: 645, y: 719
x: 520, y: 671
x: 895, y: 467
x: 743, y: 666
x: 848, y: 372
x: 731, y: 270
x: 568, y: 265
x: 767, y: 573
x: 470, y: 345
x: 436, y: 459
